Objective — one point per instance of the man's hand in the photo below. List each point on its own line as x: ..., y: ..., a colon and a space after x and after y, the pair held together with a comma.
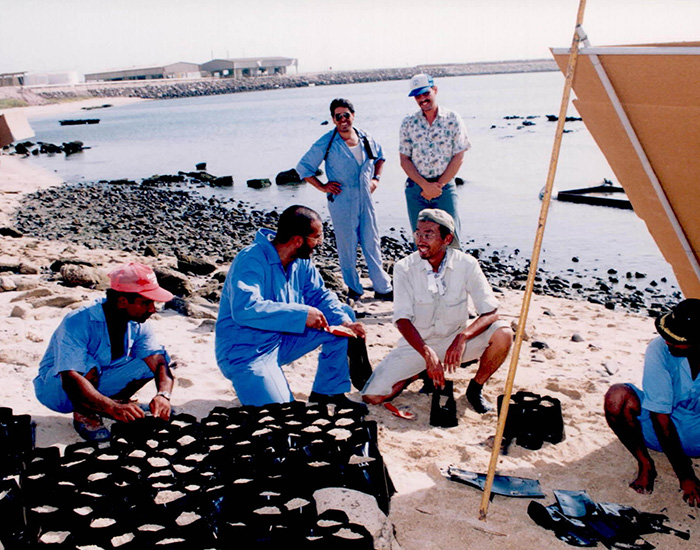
x: 316, y: 319
x: 691, y: 491
x: 434, y: 367
x: 357, y: 327
x: 431, y: 190
x: 373, y: 185
x: 333, y: 187
x: 126, y: 412
x: 453, y: 357
x: 160, y: 407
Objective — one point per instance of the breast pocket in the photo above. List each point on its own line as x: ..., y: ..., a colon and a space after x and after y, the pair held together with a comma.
x: 454, y: 315
x: 424, y: 311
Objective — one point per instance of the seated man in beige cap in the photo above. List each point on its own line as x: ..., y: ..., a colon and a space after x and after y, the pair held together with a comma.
x: 100, y: 355
x: 432, y: 290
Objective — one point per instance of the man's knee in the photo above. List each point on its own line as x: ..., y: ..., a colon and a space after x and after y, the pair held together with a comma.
x: 621, y: 399
x: 374, y: 399
x: 501, y: 341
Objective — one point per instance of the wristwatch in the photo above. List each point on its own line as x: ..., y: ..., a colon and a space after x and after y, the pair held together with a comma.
x: 377, y: 177
x: 165, y: 394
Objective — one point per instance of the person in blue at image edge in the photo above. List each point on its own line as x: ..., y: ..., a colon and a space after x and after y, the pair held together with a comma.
x: 354, y: 164
x: 275, y: 309
x: 431, y: 149
x: 100, y: 355
x: 665, y: 415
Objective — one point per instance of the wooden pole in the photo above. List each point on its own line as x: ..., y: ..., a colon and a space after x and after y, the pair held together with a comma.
x: 573, y: 57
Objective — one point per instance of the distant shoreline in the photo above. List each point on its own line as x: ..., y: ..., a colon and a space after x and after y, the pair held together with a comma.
x: 169, y: 89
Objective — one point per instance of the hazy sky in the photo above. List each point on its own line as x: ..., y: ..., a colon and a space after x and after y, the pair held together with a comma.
x: 96, y: 35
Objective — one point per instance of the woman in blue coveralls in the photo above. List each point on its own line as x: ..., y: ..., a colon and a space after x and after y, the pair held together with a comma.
x: 354, y: 164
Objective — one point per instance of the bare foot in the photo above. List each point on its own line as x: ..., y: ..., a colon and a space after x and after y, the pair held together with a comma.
x: 644, y: 484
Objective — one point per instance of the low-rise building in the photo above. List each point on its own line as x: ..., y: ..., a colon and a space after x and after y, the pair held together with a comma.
x: 12, y: 79
x: 174, y: 70
x: 248, y: 66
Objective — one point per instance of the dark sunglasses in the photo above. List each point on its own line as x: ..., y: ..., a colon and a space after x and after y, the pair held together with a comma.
x: 340, y: 116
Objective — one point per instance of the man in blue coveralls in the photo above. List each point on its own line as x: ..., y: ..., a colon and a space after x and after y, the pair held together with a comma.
x: 275, y: 309
x: 665, y: 416
x: 100, y: 355
x: 354, y: 164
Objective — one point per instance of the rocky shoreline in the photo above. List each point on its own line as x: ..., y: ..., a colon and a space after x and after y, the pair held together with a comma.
x: 165, y: 89
x: 174, y: 220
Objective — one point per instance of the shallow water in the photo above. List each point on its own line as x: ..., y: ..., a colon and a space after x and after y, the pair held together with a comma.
x: 258, y: 134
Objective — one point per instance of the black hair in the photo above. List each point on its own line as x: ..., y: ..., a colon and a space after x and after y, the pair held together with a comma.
x: 295, y: 221
x: 341, y: 102
x: 444, y: 231
x: 114, y: 295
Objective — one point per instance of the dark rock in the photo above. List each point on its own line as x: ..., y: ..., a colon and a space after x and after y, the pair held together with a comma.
x: 122, y: 182
x: 9, y: 267
x: 459, y: 181
x: 610, y: 305
x: 223, y: 181
x: 201, y: 166
x: 575, y: 259
x: 79, y: 275
x: 21, y: 149
x: 72, y: 147
x: 220, y: 276
x: 288, y: 177
x: 10, y: 232
x: 56, y: 265
x: 150, y: 250
x: 258, y: 183
x: 576, y: 337
x: 639, y: 275
x: 197, y: 266
x: 159, y: 179
x: 538, y: 344
x: 173, y: 281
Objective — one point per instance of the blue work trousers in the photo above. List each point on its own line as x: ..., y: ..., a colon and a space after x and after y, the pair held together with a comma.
x: 113, y: 379
x: 262, y: 380
x: 348, y: 233
x: 448, y: 202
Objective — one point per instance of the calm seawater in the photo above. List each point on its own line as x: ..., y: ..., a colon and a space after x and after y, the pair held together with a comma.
x: 258, y: 134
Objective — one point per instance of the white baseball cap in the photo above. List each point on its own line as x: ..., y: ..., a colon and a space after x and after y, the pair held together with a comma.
x: 420, y: 84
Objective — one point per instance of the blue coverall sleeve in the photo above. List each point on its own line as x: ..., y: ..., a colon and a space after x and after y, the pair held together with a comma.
x: 317, y: 295
x: 71, y: 343
x: 250, y: 307
x: 313, y: 158
x: 656, y: 380
x: 145, y: 342
x: 380, y: 152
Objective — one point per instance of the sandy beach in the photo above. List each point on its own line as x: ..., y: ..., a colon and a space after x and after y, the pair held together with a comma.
x: 428, y: 511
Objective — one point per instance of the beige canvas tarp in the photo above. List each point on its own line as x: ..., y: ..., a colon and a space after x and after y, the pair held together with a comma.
x: 658, y: 87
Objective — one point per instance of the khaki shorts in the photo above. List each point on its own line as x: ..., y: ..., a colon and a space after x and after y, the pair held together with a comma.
x: 403, y: 362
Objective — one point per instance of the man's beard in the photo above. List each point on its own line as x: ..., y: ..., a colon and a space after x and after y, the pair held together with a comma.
x: 304, y: 251
x: 676, y: 352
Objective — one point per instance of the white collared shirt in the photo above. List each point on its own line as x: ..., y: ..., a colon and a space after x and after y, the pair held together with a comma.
x: 436, y: 315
